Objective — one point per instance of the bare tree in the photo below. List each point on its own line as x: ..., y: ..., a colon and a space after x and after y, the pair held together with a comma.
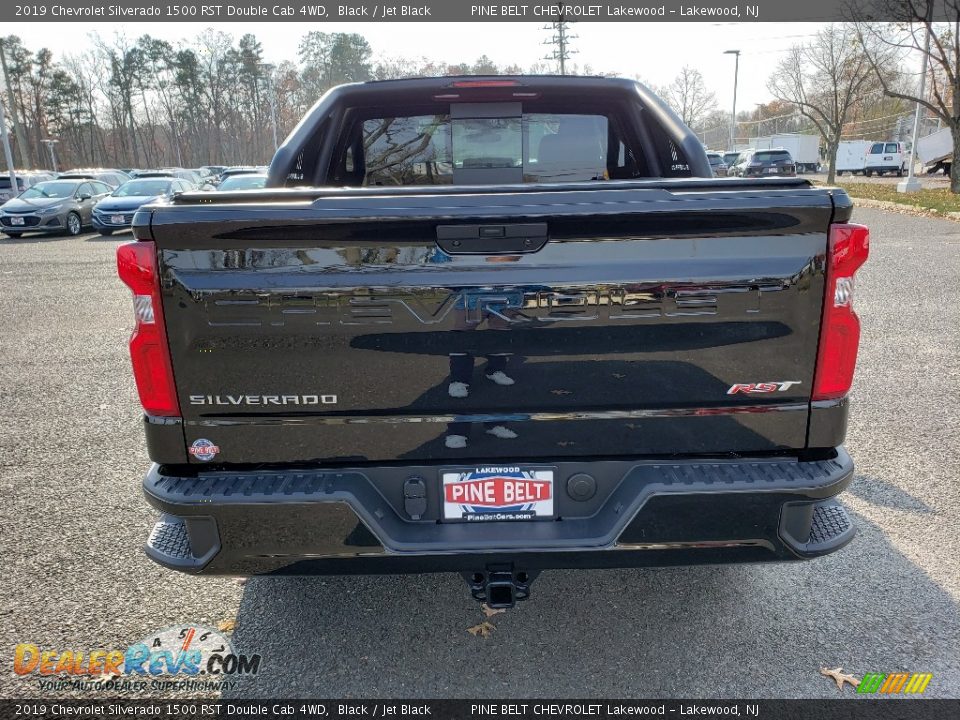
x: 938, y: 20
x: 824, y: 79
x: 689, y: 97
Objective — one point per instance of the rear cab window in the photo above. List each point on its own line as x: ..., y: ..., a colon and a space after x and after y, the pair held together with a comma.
x: 493, y: 143
x: 529, y: 147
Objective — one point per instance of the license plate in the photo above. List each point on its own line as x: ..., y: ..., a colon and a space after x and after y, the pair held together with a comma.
x: 116, y: 219
x: 16, y: 221
x: 888, y: 157
x: 497, y: 493
x: 771, y: 170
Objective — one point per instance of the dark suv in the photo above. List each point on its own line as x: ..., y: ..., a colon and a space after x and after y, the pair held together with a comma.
x: 760, y: 163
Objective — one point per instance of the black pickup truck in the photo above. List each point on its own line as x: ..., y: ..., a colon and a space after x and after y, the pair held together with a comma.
x: 494, y: 325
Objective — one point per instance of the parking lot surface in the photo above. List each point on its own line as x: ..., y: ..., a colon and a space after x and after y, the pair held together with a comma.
x: 74, y: 521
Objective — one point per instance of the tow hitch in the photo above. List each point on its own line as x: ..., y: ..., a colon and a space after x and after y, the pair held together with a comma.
x: 500, y: 586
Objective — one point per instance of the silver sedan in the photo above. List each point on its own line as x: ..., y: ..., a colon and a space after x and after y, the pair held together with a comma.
x: 52, y: 207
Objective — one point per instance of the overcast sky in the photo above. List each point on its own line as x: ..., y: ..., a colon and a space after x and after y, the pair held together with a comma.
x: 654, y: 51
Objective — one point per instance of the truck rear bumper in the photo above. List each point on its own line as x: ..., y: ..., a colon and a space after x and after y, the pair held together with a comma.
x: 356, y: 520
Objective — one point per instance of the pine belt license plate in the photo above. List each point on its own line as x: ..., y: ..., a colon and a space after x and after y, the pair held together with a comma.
x: 497, y: 493
x: 116, y: 219
x: 16, y: 221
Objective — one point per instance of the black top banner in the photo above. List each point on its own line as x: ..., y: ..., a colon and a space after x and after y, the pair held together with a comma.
x: 558, y: 709
x: 324, y: 11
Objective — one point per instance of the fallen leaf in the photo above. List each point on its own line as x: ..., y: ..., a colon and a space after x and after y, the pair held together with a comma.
x: 561, y: 392
x: 241, y: 581
x: 489, y: 611
x: 482, y: 630
x: 227, y: 625
x: 839, y: 677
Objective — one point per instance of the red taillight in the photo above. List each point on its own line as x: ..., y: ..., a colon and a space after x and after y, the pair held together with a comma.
x: 137, y: 266
x: 849, y: 246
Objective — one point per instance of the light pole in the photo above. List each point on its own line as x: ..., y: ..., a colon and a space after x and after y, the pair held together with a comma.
x: 273, y: 111
x: 272, y: 89
x: 6, y: 151
x: 733, y: 116
x: 910, y: 183
x: 25, y: 160
x: 50, y: 142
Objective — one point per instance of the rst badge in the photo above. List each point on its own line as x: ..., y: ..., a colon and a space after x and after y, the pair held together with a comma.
x: 763, y: 387
x: 487, y: 494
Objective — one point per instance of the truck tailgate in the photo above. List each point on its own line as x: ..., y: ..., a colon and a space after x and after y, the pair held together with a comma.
x: 623, y: 319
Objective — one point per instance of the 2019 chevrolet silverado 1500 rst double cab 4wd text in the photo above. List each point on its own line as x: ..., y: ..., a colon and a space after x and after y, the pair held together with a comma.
x: 493, y: 326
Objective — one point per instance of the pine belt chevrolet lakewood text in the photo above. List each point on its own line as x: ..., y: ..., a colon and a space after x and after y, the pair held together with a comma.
x: 494, y: 325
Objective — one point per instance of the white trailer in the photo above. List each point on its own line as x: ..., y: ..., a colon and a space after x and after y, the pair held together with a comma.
x: 804, y: 149
x: 852, y: 156
x: 936, y: 151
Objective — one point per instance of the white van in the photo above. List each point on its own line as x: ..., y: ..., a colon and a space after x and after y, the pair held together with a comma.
x: 884, y: 157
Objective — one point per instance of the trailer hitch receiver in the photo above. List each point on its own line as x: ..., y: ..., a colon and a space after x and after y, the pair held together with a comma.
x: 500, y: 586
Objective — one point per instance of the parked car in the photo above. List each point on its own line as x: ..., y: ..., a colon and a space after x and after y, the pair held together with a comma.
x: 426, y: 359
x: 884, y: 157
x: 717, y: 164
x: 804, y: 149
x: 115, y: 211
x: 243, y: 181
x: 730, y: 157
x: 186, y: 174
x: 239, y: 170
x: 113, y: 178
x: 764, y: 163
x: 53, y: 206
x: 208, y: 171
x: 24, y: 179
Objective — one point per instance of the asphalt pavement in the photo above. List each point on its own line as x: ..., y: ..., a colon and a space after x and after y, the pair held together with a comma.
x: 73, y: 523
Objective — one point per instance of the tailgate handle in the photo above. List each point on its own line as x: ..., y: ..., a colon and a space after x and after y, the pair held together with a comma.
x: 492, y: 239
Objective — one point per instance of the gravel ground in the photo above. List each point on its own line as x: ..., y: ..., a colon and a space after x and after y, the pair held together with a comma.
x: 71, y: 456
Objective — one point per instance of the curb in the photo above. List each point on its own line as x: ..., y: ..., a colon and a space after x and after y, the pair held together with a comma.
x: 905, y: 209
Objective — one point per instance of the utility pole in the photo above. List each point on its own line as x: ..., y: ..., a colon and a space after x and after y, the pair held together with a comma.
x: 561, y: 40
x: 6, y: 151
x: 17, y: 127
x: 733, y: 117
x: 910, y: 183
